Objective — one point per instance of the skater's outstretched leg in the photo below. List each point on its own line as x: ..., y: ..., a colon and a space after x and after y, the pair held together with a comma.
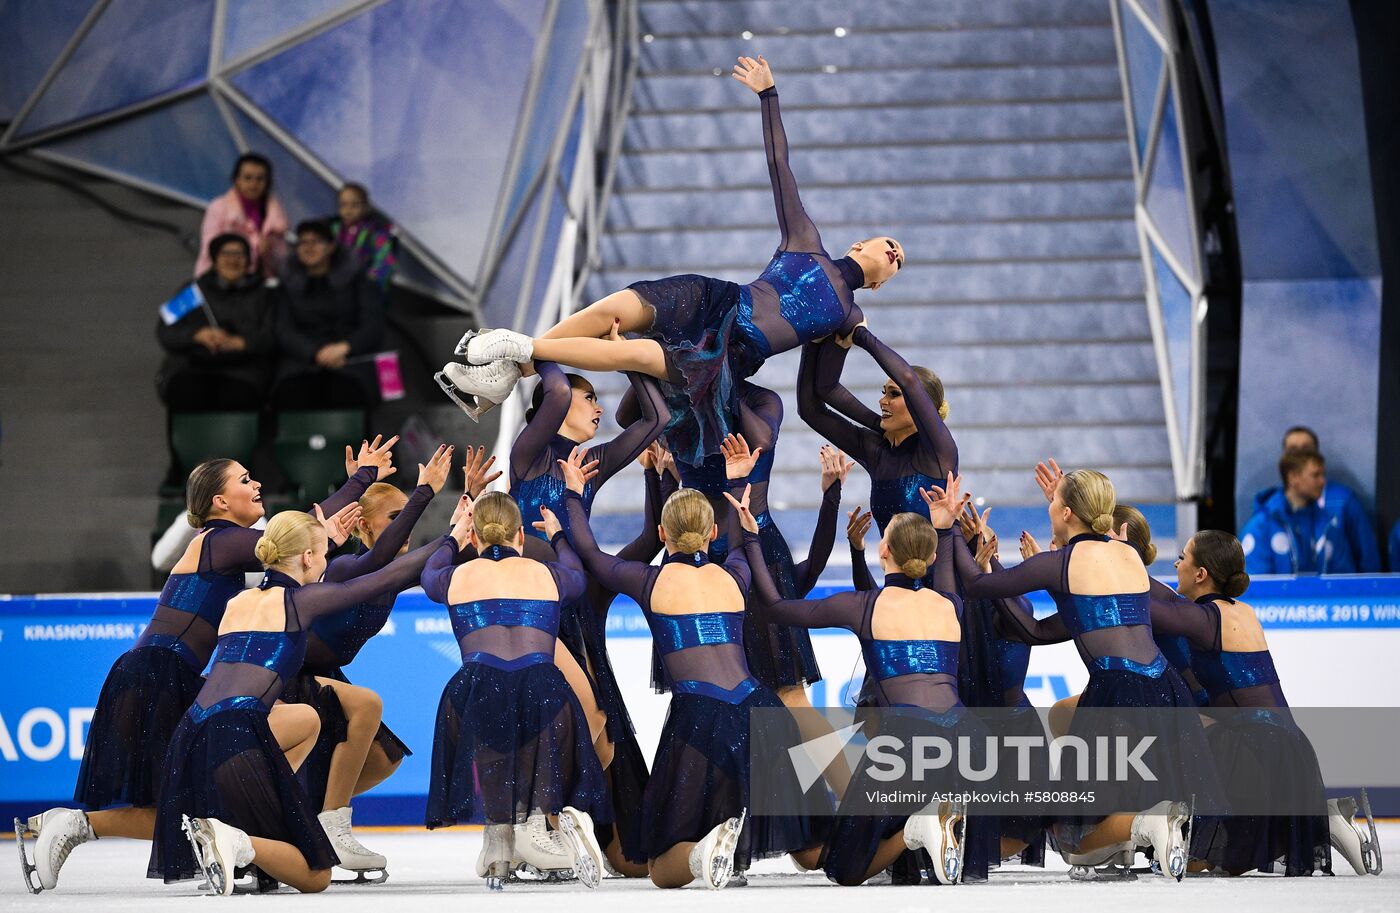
x: 644, y: 356
x: 596, y: 320
x: 295, y: 726
x: 136, y: 823
x: 813, y: 724
x: 377, y: 769
x: 593, y: 714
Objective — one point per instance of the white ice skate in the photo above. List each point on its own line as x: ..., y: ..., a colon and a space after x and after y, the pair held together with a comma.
x: 493, y: 863
x: 712, y: 859
x: 577, y: 828
x: 540, y: 853
x: 1360, y: 846
x: 942, y: 835
x: 484, y: 386
x: 1163, y: 827
x: 1108, y: 862
x: 482, y: 347
x: 57, y: 832
x: 219, y: 849
x: 369, y: 868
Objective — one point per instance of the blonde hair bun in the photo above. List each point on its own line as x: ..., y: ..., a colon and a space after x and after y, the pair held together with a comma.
x: 1103, y: 523
x: 690, y: 542
x: 496, y: 517
x: 914, y: 568
x: 288, y: 534
x: 688, y: 520
x: 943, y: 410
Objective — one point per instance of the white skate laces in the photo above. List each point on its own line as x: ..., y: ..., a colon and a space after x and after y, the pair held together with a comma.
x: 540, y: 851
x: 712, y: 859
x: 352, y: 854
x: 219, y: 849
x: 485, y: 347
x: 577, y: 827
x: 1162, y: 827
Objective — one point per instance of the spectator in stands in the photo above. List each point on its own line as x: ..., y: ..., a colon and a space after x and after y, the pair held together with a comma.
x: 365, y: 234
x: 329, y: 319
x: 220, y: 355
x: 250, y: 209
x: 1339, y: 501
x: 1295, y: 532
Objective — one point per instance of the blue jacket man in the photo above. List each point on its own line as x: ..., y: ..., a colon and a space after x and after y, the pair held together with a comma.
x: 1308, y: 526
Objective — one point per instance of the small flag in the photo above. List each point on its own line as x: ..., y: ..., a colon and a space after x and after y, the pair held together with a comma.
x: 189, y: 298
x: 386, y: 366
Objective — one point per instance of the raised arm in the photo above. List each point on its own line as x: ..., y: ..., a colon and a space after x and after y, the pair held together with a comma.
x: 530, y: 454
x: 567, y: 570
x: 437, y: 572
x: 840, y: 610
x: 818, y: 373
x: 933, y: 432
x: 389, y: 543
x: 1176, y: 615
x: 352, y: 490
x: 624, y: 449
x: 809, y: 570
x: 798, y: 230
x: 648, y: 541
x: 831, y: 362
x: 617, y: 574
x: 318, y: 599
x: 1038, y: 572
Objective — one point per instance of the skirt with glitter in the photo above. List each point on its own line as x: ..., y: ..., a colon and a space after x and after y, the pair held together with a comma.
x: 710, y: 346
x: 142, y: 702
x: 508, y: 742
x: 315, y: 770
x: 1268, y: 748
x: 1180, y: 759
x: 779, y: 656
x: 700, y: 779
x: 224, y: 762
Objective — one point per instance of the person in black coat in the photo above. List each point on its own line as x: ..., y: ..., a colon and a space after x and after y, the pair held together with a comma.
x: 220, y: 355
x: 329, y: 316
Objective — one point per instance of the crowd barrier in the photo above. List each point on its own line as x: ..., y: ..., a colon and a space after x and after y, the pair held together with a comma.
x: 1335, y: 642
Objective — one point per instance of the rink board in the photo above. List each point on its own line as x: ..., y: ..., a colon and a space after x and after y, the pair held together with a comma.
x: 1335, y: 641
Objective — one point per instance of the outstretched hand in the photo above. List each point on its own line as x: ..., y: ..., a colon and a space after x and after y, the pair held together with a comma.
x: 1048, y: 476
x: 462, y: 520
x: 739, y: 461
x: 857, y: 525
x: 944, y: 505
x: 754, y: 73
x: 986, y: 552
x: 577, y: 470
x: 372, y: 453
x: 741, y: 506
x: 549, y: 523
x: 835, y: 466
x: 339, y: 526
x: 434, y: 472
x: 476, y: 469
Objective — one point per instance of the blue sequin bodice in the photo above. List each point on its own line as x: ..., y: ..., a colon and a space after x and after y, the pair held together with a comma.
x: 205, y: 594
x: 281, y: 652
x: 547, y: 489
x: 1226, y: 671
x: 806, y: 298
x: 680, y: 632
x: 891, y: 658
x: 345, y: 633
x: 541, y: 614
x: 1092, y: 613
x: 896, y: 496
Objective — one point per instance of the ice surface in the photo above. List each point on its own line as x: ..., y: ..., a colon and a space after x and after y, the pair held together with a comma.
x: 435, y: 871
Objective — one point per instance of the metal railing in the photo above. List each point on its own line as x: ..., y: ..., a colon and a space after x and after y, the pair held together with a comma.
x: 603, y: 87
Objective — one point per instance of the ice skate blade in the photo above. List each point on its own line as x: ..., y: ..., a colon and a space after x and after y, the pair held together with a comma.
x: 219, y: 881
x: 1107, y: 874
x: 364, y: 876
x: 1179, y: 822
x: 1370, y: 849
x: 495, y: 883
x: 949, y: 868
x: 722, y: 867
x: 475, y: 409
x: 28, y: 872
x: 577, y: 828
x: 525, y: 873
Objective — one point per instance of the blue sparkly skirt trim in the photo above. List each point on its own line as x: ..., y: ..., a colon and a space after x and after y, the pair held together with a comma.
x: 700, y: 778
x: 145, y: 696
x: 224, y: 762
x: 508, y: 742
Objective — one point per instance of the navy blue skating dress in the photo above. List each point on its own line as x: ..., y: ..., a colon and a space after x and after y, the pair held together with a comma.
x: 150, y: 686
x: 511, y: 738
x: 700, y: 775
x: 1254, y: 740
x: 1113, y: 633
x: 335, y: 640
x: 224, y: 761
x: 717, y: 333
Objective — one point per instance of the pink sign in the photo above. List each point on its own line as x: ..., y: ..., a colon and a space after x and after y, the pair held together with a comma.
x: 386, y: 365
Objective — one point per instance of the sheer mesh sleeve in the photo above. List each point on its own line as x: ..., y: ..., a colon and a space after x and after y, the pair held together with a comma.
x: 1045, y: 571
x: 624, y: 449
x: 1176, y: 615
x: 394, y: 537
x: 568, y: 573
x: 531, y: 447
x: 437, y: 573
x: 798, y: 229
x: 933, y: 432
x: 317, y: 599
x: 351, y: 491
x: 860, y: 571
x: 945, y: 575
x: 841, y: 610
x: 617, y: 574
x: 648, y: 542
x: 229, y: 550
x: 809, y: 571
x: 818, y: 373
x: 737, y: 561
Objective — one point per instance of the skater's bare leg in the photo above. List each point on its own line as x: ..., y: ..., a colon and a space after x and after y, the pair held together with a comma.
x: 1011, y: 847
x: 597, y: 720
x: 889, y: 850
x: 810, y: 858
x: 136, y: 823
x: 644, y: 356
x: 812, y: 724
x: 597, y: 319
x: 1062, y: 714
x: 672, y: 868
x: 286, y: 863
x: 619, y: 862
x: 377, y: 769
x: 363, y: 711
x: 1112, y: 830
x: 295, y: 726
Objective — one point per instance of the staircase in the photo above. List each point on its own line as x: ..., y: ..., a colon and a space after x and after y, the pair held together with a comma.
x: 989, y: 137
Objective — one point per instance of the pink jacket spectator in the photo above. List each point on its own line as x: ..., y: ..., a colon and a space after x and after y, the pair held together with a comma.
x: 225, y: 214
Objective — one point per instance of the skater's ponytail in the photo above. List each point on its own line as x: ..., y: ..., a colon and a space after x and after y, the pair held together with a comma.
x: 933, y: 386
x: 496, y: 518
x: 689, y: 520
x: 288, y: 534
x: 1223, y: 559
x: 1139, y: 533
x: 1089, y: 495
x: 207, y: 480
x: 912, y: 542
